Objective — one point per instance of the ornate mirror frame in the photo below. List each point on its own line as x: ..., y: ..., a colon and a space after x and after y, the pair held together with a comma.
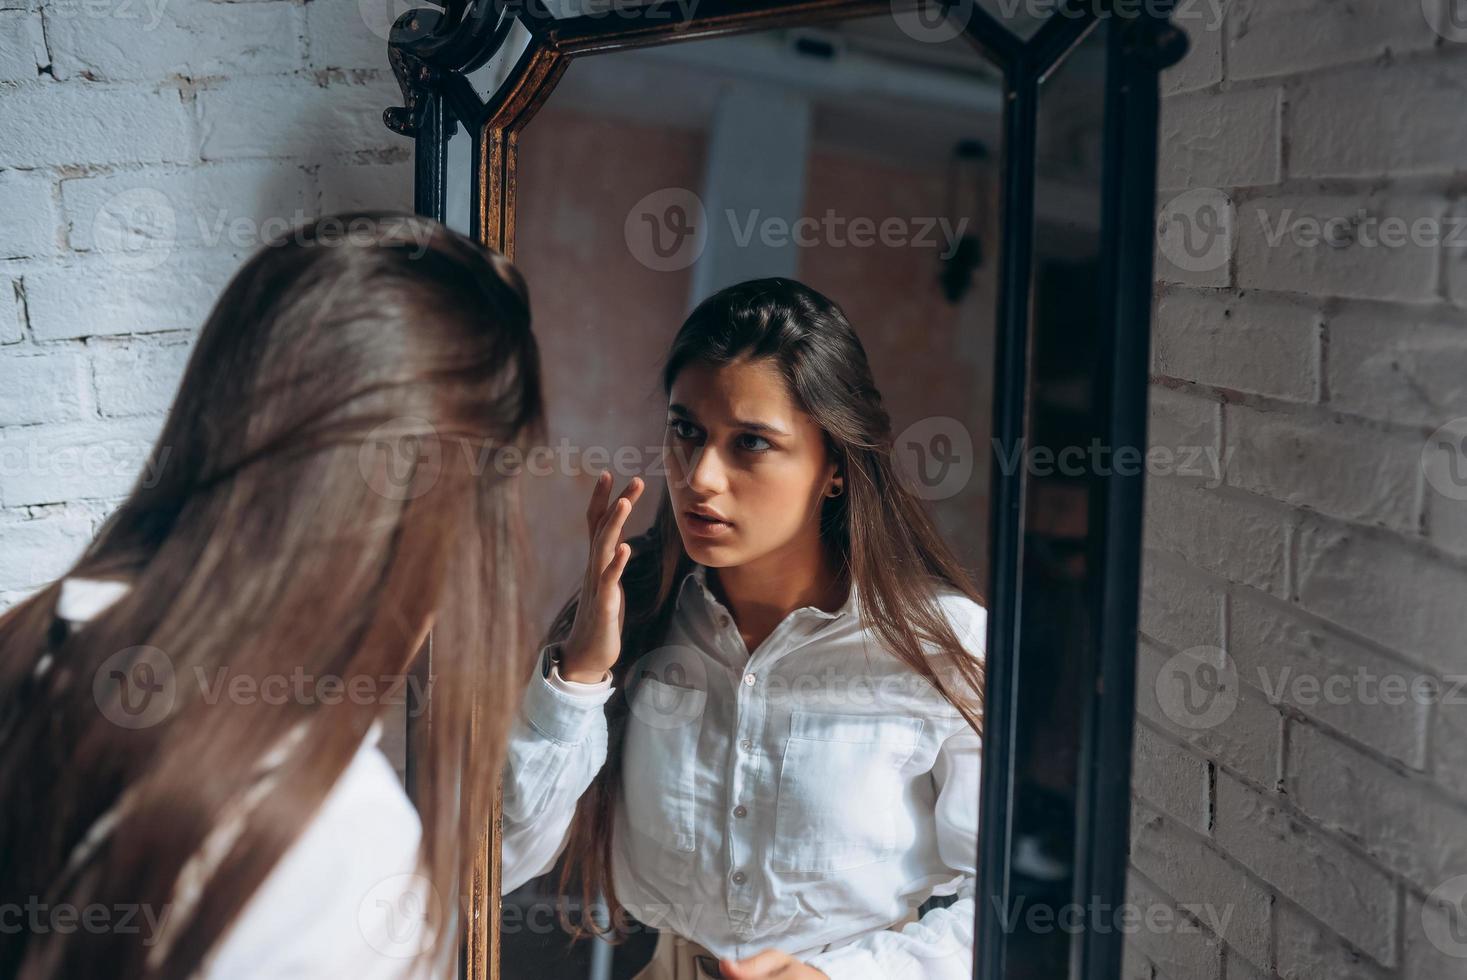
x: 432, y: 51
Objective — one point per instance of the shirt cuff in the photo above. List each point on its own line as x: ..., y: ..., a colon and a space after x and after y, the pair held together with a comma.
x: 579, y: 688
x: 557, y: 713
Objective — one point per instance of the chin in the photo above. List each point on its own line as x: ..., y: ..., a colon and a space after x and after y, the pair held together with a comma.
x: 714, y: 554
x: 705, y: 552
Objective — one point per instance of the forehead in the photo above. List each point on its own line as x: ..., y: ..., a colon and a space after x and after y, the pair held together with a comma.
x: 741, y: 390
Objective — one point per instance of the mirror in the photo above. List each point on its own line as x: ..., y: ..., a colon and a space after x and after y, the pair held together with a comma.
x: 1058, y: 572
x: 861, y: 161
x: 973, y: 186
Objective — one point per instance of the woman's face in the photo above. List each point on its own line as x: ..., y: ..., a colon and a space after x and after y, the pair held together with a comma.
x: 739, y: 447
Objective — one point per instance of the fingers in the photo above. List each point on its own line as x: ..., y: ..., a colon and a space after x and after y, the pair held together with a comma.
x: 606, y: 538
x: 596, y: 509
x: 605, y: 521
x: 601, y: 506
x: 612, y: 573
x: 769, y: 963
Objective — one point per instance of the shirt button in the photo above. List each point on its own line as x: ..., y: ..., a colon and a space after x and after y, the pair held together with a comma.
x: 747, y: 745
x: 724, y: 621
x: 739, y: 877
x: 741, y: 811
x: 749, y: 679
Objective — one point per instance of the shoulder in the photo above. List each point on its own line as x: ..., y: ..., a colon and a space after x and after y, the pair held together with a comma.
x: 80, y: 599
x: 968, y: 619
x: 317, y: 911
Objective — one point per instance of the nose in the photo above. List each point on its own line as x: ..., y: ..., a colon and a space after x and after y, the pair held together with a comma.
x: 705, y: 475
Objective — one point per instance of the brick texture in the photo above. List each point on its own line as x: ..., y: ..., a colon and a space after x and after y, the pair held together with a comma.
x: 1330, y: 567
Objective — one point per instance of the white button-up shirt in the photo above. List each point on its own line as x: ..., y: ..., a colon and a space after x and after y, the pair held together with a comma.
x: 344, y: 900
x: 807, y: 796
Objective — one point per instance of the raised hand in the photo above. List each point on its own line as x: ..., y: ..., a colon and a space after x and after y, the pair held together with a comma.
x: 594, y: 643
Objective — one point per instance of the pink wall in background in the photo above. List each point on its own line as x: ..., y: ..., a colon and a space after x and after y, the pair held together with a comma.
x: 604, y: 321
x: 929, y: 357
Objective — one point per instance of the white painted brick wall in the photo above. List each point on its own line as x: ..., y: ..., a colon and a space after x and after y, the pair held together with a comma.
x: 1177, y: 785
x: 1331, y: 566
x: 1307, y: 951
x: 22, y: 45
x: 1288, y: 37
x: 1281, y: 247
x: 1249, y: 741
x: 1365, y: 122
x: 1302, y: 664
x: 1175, y: 951
x: 1325, y: 462
x: 1398, y: 364
x: 149, y: 148
x: 1253, y: 343
x: 1405, y: 825
x: 1227, y: 532
x: 1221, y: 139
x: 1323, y: 876
x: 1180, y: 862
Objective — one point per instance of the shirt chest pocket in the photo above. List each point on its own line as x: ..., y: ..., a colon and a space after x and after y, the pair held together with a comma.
x: 840, y: 787
x: 658, y: 759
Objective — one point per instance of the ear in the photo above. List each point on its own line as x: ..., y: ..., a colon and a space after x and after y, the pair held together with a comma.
x: 837, y: 485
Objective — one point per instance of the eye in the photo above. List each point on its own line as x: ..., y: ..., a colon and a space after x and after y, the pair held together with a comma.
x: 682, y: 428
x: 756, y: 449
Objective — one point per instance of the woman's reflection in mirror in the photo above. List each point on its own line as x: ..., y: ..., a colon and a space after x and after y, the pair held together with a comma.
x: 758, y: 726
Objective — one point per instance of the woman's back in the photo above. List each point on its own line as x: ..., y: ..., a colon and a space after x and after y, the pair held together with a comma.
x: 300, y: 922
x: 316, y: 503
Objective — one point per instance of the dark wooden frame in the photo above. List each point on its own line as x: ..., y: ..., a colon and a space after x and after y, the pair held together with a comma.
x: 432, y: 51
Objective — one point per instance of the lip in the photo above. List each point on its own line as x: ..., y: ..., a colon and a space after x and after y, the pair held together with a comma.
x: 697, y: 524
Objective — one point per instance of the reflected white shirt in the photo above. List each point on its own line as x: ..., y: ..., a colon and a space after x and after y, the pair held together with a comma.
x: 806, y: 797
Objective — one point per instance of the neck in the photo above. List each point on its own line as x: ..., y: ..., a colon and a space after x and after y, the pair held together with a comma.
x: 768, y: 588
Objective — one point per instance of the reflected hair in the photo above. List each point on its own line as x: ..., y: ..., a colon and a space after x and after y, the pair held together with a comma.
x: 878, y: 532
x: 311, y: 504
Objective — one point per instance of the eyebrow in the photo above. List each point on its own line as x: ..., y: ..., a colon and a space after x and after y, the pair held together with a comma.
x: 750, y: 424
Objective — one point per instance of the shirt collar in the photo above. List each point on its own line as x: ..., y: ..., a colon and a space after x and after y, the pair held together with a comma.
x: 695, y: 582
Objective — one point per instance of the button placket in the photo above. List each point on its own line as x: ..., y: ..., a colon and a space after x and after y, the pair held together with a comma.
x: 748, y: 716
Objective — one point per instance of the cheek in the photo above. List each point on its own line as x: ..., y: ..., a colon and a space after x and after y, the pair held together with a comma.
x: 775, y: 498
x: 674, y: 467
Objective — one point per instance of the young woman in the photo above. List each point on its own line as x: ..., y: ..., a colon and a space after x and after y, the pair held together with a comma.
x: 313, y: 504
x: 794, y: 767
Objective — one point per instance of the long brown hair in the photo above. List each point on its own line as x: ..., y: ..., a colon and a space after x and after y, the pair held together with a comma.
x: 878, y: 530
x: 317, y: 496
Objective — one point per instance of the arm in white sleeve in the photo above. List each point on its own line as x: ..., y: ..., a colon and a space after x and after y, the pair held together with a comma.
x: 557, y: 744
x: 938, y: 946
